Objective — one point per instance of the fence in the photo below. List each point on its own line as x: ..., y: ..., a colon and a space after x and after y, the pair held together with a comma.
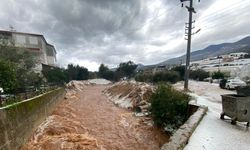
x: 18, y: 121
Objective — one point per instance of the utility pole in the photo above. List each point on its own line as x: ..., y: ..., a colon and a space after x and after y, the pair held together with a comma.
x: 188, y: 28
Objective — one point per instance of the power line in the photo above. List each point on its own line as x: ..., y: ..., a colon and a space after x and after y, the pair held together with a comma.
x: 215, y: 17
x: 199, y: 20
x: 204, y: 22
x: 149, y: 21
x: 203, y: 19
x: 219, y: 13
x: 216, y: 24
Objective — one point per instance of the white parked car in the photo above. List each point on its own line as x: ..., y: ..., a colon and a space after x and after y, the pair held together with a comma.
x: 233, y: 83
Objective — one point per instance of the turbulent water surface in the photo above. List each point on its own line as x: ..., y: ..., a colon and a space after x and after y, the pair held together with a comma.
x: 87, y: 120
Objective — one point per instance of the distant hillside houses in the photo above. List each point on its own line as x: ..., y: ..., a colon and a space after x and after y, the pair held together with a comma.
x: 226, y: 63
x: 35, y: 43
x: 236, y: 55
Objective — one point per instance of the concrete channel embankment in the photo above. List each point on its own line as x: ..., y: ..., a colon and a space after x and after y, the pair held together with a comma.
x: 18, y: 121
x: 180, y: 138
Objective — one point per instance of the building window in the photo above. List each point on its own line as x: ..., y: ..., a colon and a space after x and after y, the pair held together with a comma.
x: 33, y: 40
x: 20, y: 39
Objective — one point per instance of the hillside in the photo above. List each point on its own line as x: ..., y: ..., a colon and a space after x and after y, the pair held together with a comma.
x: 242, y: 45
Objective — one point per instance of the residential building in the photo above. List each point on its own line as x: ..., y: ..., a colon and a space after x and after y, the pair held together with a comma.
x: 238, y: 55
x: 148, y: 71
x: 233, y: 64
x: 159, y: 68
x: 36, y: 43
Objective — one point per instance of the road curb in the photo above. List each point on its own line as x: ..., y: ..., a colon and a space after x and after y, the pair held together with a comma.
x: 180, y: 138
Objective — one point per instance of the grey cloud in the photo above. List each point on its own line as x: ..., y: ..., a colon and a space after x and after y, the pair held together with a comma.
x: 111, y: 31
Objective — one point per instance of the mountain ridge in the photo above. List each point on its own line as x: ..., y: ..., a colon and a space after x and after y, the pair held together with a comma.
x: 242, y: 45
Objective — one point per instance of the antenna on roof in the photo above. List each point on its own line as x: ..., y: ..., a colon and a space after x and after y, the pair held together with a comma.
x: 12, y: 28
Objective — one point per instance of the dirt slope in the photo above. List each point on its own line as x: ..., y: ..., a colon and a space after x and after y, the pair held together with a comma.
x: 129, y: 94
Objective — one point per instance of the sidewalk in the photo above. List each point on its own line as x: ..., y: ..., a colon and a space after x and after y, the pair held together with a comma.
x: 214, y: 133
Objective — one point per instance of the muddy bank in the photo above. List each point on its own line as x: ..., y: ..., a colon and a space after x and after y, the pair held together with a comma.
x: 86, y: 119
x: 130, y: 94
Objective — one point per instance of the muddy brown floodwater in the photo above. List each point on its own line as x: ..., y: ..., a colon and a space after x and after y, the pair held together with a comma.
x: 88, y: 120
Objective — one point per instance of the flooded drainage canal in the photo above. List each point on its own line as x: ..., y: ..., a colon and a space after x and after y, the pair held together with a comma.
x: 86, y: 119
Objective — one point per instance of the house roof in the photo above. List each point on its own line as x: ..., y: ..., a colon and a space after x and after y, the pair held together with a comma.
x: 4, y: 31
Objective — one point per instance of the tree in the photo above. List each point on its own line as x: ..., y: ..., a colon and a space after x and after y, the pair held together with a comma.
x: 126, y: 69
x: 102, y: 70
x: 109, y: 75
x: 82, y: 73
x: 77, y: 72
x: 118, y: 75
x: 22, y: 57
x: 218, y: 75
x: 171, y: 76
x: 180, y: 70
x: 8, y: 80
x: 140, y: 77
x: 158, y: 77
x: 93, y: 75
x: 198, y: 74
x: 34, y: 79
x: 72, y: 72
x: 56, y: 75
x: 24, y: 60
x: 247, y: 55
x: 166, y: 76
x: 105, y: 73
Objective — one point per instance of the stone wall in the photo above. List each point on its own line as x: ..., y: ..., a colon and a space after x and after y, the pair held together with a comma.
x: 17, y: 122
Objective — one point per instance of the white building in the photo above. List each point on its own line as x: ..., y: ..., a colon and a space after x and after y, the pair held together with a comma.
x: 243, y: 72
x: 35, y: 43
x: 234, y: 67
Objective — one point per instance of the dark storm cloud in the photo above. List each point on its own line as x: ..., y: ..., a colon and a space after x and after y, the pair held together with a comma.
x: 90, y: 32
x: 92, y: 19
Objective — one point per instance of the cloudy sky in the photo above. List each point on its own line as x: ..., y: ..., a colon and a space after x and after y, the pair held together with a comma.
x: 90, y: 32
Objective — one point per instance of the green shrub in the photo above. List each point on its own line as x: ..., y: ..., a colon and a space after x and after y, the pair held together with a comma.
x: 166, y: 76
x: 171, y: 76
x: 169, y: 106
x: 158, y: 77
x: 8, y: 78
x: 55, y: 75
x: 198, y: 74
x: 180, y: 70
x: 140, y: 77
x: 218, y: 75
x: 247, y: 55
